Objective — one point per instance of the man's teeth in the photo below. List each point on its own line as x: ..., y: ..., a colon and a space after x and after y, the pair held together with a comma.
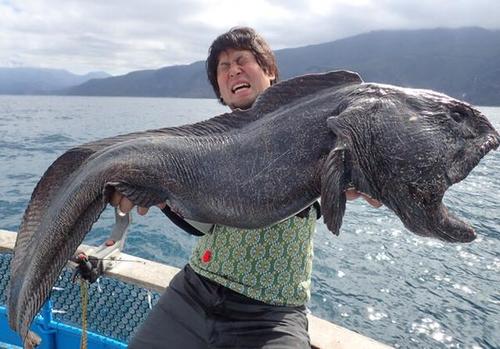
x: 240, y: 86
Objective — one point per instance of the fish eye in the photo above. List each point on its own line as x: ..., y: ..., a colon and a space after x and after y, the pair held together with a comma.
x: 457, y: 116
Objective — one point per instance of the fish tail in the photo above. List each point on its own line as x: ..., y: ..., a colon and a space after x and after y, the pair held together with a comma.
x: 57, y: 238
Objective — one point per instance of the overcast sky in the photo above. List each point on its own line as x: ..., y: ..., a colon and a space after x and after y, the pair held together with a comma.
x: 119, y: 36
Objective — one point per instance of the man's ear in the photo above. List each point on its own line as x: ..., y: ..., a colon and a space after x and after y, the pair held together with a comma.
x: 272, y: 76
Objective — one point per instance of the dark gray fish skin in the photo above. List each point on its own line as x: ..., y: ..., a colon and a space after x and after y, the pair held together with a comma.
x: 407, y: 147
x: 309, y: 137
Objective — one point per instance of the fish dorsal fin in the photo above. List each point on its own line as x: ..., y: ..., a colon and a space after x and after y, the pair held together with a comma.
x: 274, y: 97
x: 215, y: 125
x: 301, y: 86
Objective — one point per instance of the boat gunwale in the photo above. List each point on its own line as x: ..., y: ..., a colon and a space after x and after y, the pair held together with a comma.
x: 156, y: 277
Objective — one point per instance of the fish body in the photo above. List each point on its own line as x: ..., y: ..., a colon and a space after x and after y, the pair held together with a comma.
x: 306, y: 138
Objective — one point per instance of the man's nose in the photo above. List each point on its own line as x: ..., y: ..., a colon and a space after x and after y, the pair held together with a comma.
x: 234, y: 69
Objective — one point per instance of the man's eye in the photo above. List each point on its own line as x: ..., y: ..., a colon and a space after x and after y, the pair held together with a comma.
x: 242, y: 60
x: 222, y: 67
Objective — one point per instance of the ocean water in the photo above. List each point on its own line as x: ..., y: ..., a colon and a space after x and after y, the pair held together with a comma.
x: 376, y: 278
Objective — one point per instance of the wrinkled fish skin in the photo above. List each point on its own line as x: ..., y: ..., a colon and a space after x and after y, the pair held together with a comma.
x: 308, y: 137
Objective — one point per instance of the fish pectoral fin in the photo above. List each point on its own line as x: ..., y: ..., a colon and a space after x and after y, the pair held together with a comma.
x: 334, y: 183
x: 139, y: 195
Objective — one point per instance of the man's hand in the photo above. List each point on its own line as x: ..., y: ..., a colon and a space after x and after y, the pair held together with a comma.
x: 352, y: 194
x: 125, y: 205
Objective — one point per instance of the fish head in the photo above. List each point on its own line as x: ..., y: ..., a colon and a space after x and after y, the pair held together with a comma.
x: 408, y: 147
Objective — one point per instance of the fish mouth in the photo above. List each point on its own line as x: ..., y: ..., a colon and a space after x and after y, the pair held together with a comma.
x: 453, y: 230
x: 461, y: 236
x: 467, y: 160
x: 492, y: 142
x: 441, y: 224
x: 449, y: 227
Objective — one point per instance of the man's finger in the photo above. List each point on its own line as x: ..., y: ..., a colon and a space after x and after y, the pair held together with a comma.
x: 375, y: 203
x: 142, y: 210
x: 351, y: 194
x: 126, y: 205
x: 115, y: 199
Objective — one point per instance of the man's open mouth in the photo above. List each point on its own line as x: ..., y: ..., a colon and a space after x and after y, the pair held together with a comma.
x: 239, y: 87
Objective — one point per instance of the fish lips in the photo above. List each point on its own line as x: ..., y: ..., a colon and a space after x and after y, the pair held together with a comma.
x: 460, y: 233
x: 438, y: 222
x: 492, y: 142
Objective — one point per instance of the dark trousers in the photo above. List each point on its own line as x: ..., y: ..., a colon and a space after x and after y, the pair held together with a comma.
x: 195, y: 312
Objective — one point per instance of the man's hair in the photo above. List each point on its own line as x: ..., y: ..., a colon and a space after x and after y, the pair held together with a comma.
x: 240, y: 38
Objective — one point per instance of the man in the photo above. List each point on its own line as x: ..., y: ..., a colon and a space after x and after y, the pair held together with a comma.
x: 241, y: 288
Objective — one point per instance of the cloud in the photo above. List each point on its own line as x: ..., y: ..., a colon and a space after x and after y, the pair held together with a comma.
x: 122, y: 36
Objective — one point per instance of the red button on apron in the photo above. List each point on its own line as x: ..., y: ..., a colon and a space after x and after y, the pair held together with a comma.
x: 207, y: 256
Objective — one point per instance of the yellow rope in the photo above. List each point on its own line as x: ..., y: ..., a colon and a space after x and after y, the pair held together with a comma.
x: 85, y: 298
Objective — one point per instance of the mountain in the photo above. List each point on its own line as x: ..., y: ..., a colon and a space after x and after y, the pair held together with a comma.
x: 463, y: 62
x: 174, y: 81
x: 41, y: 80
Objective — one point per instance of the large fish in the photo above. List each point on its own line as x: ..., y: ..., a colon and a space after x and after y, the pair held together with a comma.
x: 308, y: 137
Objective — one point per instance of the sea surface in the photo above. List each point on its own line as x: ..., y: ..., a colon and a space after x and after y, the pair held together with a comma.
x: 376, y: 278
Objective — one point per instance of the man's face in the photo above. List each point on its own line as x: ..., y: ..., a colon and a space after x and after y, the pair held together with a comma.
x: 240, y: 78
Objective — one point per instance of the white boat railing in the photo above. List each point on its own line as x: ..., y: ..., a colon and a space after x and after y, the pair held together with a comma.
x: 156, y: 276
